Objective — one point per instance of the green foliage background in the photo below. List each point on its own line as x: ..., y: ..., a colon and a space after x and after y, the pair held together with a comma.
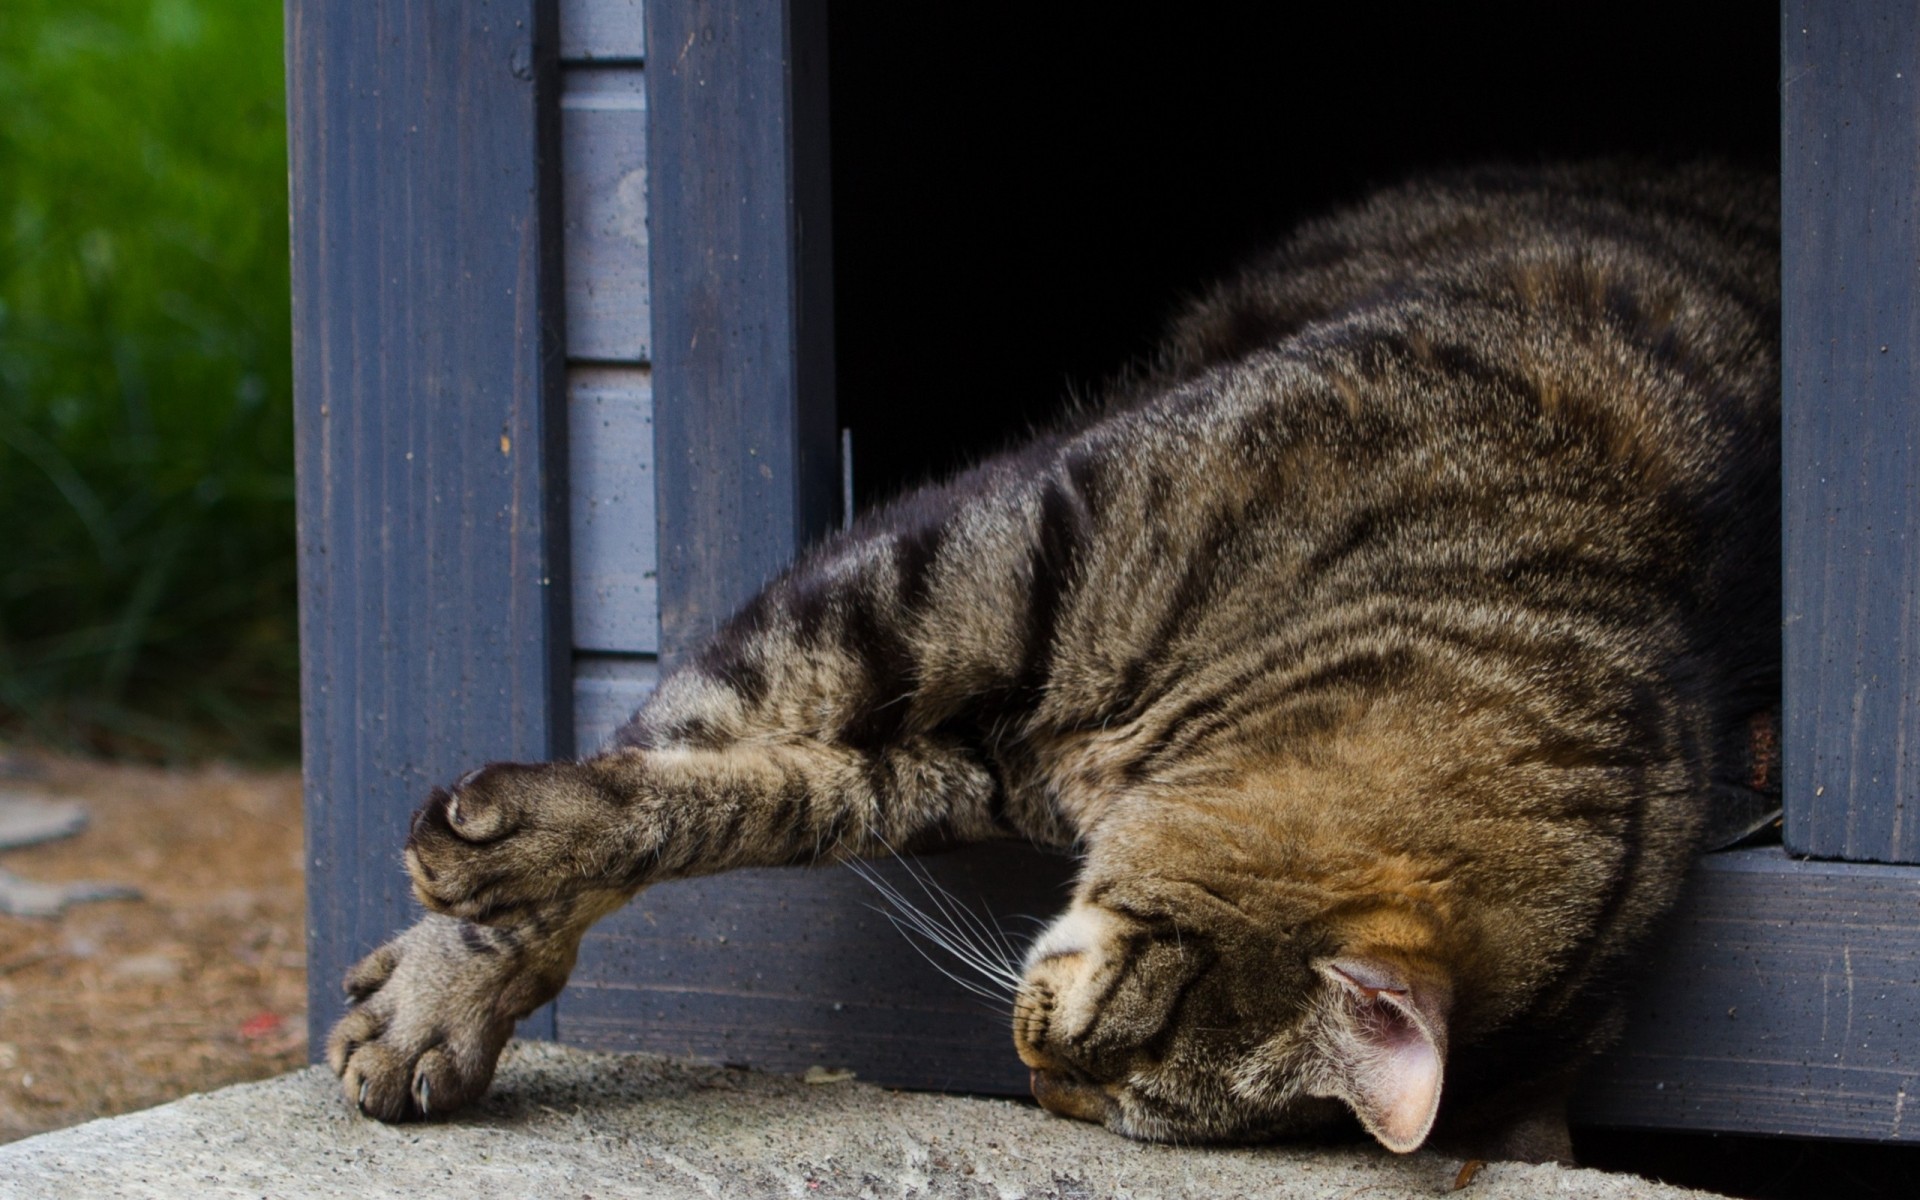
x: 146, y: 458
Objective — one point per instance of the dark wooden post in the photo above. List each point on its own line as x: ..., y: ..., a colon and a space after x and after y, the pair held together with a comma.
x: 742, y: 299
x: 1850, y: 166
x: 427, y: 344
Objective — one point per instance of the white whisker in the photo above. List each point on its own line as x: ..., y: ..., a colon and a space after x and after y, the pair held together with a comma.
x: 953, y: 934
x: 944, y: 921
x: 963, y: 921
x: 932, y: 929
x: 964, y: 982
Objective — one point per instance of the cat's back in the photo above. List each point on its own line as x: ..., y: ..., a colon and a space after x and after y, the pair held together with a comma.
x: 1587, y: 235
x: 1604, y: 331
x: 1530, y: 412
x: 1550, y: 394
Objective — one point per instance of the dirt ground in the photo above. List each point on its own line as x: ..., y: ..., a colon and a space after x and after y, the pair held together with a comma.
x: 118, y: 1005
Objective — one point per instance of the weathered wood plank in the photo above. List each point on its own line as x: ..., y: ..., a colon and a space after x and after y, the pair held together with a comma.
x: 786, y: 969
x: 616, y: 605
x: 1851, y: 236
x: 606, y: 691
x: 429, y: 427
x: 604, y: 146
x: 603, y: 31
x: 1785, y: 1000
x: 1782, y: 1001
x: 741, y: 300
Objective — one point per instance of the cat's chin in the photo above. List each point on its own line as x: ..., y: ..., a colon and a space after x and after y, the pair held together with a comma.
x: 1065, y: 1096
x: 1306, y: 1118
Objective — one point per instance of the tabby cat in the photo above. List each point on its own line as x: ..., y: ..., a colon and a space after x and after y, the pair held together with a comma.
x: 1382, y: 652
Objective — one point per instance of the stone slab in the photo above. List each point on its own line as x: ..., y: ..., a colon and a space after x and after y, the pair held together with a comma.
x: 565, y: 1124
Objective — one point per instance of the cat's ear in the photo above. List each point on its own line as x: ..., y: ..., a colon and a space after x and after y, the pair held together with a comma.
x: 1386, y: 1045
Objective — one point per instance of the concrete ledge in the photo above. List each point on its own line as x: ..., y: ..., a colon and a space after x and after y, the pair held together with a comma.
x: 566, y: 1124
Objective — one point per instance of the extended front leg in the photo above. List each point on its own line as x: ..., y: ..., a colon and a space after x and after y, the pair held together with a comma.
x: 512, y: 839
x: 517, y: 861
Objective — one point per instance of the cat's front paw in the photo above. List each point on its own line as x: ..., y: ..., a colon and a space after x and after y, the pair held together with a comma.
x: 431, y: 1011
x: 514, y: 836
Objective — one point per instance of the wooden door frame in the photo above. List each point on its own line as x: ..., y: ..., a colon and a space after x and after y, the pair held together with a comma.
x: 429, y: 428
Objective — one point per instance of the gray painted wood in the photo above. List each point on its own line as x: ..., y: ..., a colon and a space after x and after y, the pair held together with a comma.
x: 429, y: 427
x: 1785, y: 1000
x: 790, y: 968
x: 602, y: 31
x: 606, y: 691
x: 745, y: 470
x: 616, y: 604
x: 741, y: 300
x: 604, y: 146
x: 1851, y: 238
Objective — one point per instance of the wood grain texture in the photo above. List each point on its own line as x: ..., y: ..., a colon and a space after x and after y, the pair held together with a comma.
x: 604, y: 146
x: 1784, y: 1000
x: 606, y: 691
x: 429, y: 425
x: 616, y: 605
x: 603, y: 30
x: 792, y: 968
x: 1851, y: 356
x: 741, y: 300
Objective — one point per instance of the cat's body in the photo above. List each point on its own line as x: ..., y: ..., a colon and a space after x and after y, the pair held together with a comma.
x: 1383, y: 652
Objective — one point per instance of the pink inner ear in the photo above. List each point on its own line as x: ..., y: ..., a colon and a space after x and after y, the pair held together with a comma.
x: 1394, y: 1070
x: 1400, y: 1080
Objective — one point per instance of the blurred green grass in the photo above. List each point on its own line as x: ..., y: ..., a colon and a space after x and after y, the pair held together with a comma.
x: 146, y: 449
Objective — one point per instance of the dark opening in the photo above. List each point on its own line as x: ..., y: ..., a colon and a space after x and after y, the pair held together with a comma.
x: 1022, y: 195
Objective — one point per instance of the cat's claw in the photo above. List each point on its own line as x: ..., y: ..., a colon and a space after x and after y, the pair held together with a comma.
x: 430, y: 1016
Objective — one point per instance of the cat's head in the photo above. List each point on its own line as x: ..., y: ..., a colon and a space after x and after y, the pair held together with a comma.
x: 1212, y: 981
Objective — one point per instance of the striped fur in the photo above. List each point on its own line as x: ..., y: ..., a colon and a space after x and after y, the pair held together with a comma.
x: 1381, y: 650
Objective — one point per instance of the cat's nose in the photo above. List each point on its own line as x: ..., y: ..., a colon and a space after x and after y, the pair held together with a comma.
x: 1065, y: 1096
